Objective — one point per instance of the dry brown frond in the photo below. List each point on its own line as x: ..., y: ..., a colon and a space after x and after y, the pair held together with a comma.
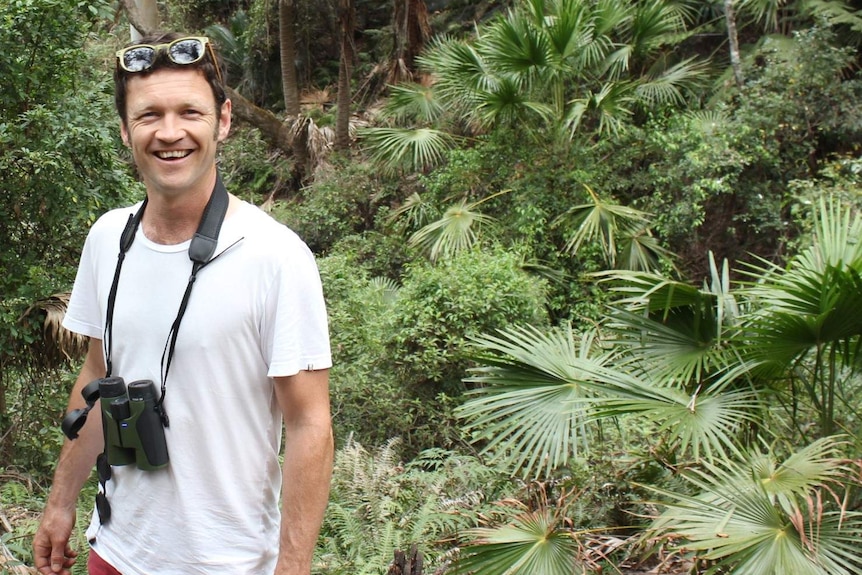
x: 58, y: 346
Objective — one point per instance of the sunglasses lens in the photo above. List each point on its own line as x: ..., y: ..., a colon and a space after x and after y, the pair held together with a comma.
x: 138, y: 58
x: 187, y: 51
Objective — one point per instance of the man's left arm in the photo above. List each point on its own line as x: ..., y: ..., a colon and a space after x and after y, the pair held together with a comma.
x: 308, y: 454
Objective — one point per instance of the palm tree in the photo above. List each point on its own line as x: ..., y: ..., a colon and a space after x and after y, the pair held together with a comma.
x: 761, y: 516
x: 696, y: 361
x: 698, y: 367
x: 290, y: 87
x: 346, y: 18
x: 671, y: 355
x: 564, y: 65
x: 456, y: 231
x: 621, y: 231
x: 566, y: 62
x: 807, y: 329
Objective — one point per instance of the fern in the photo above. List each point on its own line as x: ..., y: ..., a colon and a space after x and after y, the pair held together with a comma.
x: 378, y: 506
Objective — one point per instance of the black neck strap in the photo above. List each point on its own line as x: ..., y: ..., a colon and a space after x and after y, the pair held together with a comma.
x: 201, y: 251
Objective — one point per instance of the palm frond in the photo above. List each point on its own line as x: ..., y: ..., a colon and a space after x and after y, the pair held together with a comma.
x: 529, y: 410
x: 836, y: 13
x: 641, y: 252
x: 459, y: 71
x: 756, y: 516
x: 412, y: 150
x: 611, y: 103
x: 765, y: 12
x: 814, y: 301
x: 382, y: 292
x: 455, y: 232
x: 704, y: 423
x: 654, y: 22
x: 708, y: 121
x: 57, y: 346
x: 670, y: 86
x: 414, y: 210
x: 410, y: 102
x: 683, y: 336
x: 508, y: 104
x: 531, y: 544
x: 518, y: 50
x: 568, y: 29
x: 601, y: 221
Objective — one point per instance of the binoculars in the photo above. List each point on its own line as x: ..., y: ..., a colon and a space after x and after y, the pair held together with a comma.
x: 130, y: 421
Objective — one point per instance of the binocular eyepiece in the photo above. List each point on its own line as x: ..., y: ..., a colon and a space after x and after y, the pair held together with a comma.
x: 131, y: 423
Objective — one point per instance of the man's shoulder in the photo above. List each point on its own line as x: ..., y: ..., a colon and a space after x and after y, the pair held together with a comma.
x: 266, y: 239
x: 258, y: 223
x: 113, y: 220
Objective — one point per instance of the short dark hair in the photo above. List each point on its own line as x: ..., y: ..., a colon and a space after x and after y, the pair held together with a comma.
x: 206, y: 64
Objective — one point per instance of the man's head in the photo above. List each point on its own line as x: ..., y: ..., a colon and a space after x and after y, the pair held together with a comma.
x: 163, y: 51
x: 174, y: 113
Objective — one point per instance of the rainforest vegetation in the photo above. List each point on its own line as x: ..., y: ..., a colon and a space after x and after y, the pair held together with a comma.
x: 593, y: 267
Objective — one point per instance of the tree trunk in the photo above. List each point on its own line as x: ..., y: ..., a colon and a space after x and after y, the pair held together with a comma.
x: 736, y: 64
x: 412, y: 30
x: 346, y: 17
x: 290, y: 85
x: 139, y: 24
x: 287, y: 51
x: 148, y: 19
x: 405, y: 564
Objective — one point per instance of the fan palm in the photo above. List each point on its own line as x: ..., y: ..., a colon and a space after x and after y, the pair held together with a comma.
x: 688, y: 362
x: 807, y: 327
x: 456, y: 231
x: 410, y: 150
x: 620, y: 231
x: 530, y: 410
x: 540, y: 392
x: 679, y: 334
x: 561, y: 61
x: 761, y: 517
x: 532, y: 543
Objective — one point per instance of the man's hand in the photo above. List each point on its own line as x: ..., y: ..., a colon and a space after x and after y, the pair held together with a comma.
x: 52, y: 554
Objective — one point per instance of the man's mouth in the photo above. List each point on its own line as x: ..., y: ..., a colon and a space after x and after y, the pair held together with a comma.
x: 173, y: 154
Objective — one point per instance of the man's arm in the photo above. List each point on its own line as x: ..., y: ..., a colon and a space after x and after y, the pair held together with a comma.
x: 308, y: 453
x: 51, y: 550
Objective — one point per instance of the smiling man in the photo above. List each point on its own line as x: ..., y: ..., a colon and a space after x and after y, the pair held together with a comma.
x: 208, y: 345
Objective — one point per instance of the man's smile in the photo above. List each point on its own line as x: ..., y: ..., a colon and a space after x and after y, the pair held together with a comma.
x: 173, y: 154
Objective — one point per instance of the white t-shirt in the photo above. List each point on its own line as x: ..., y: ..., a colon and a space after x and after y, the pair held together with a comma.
x: 256, y: 312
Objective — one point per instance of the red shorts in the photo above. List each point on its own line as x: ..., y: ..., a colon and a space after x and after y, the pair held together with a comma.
x: 98, y: 566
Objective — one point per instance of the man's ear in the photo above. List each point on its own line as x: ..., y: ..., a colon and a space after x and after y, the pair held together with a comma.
x: 224, y: 121
x: 124, y: 133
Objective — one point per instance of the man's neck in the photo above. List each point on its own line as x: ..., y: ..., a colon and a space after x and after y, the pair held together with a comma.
x: 174, y: 219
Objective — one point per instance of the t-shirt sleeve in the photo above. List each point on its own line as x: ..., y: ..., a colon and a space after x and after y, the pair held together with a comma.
x: 83, y: 314
x: 296, y: 331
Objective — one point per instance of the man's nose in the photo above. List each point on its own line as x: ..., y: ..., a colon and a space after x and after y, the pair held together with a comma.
x: 170, y: 128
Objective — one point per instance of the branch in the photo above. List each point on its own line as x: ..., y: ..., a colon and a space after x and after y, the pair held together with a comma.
x: 275, y: 132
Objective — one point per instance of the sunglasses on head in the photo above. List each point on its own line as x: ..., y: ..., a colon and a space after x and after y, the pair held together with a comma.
x: 183, y: 51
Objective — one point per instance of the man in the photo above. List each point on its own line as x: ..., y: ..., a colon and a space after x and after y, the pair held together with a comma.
x: 241, y: 355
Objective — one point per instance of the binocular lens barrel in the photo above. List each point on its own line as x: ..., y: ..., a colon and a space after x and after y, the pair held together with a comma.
x: 112, y: 387
x: 142, y: 390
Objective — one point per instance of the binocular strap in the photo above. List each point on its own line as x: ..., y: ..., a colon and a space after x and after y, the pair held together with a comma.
x: 201, y: 252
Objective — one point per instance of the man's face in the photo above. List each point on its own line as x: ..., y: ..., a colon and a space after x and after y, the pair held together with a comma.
x: 173, y: 130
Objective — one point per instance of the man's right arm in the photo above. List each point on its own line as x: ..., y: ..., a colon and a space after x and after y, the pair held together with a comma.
x: 51, y: 550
